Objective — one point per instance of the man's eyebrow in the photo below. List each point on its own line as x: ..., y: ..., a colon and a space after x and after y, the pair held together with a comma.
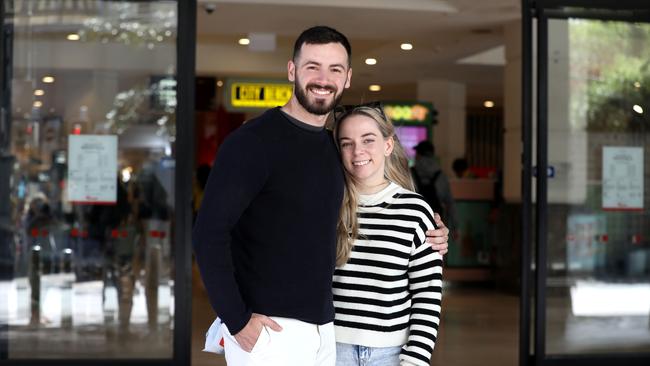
x: 310, y: 62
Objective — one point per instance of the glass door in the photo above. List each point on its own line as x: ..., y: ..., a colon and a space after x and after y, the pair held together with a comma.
x: 89, y: 221
x: 592, y: 201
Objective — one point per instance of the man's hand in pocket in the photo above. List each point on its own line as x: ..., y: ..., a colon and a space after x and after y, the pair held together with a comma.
x: 247, y: 337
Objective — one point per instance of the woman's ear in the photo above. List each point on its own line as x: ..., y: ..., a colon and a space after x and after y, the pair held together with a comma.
x: 390, y: 144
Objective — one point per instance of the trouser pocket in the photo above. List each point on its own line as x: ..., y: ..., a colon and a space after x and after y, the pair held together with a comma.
x: 262, y: 342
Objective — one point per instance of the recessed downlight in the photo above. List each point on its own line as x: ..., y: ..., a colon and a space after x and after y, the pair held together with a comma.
x: 488, y: 104
x: 374, y: 88
x: 406, y: 46
x: 371, y: 61
x: 244, y: 41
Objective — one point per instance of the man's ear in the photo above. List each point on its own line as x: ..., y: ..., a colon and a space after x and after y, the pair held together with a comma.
x: 291, y: 71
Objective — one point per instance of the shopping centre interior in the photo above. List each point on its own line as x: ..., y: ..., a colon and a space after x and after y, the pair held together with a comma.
x: 89, y: 164
x: 457, y: 62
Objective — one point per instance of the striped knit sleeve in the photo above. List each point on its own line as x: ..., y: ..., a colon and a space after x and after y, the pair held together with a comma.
x: 425, y: 287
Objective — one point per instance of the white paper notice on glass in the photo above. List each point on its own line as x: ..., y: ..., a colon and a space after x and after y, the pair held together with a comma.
x: 92, y: 169
x: 622, y: 178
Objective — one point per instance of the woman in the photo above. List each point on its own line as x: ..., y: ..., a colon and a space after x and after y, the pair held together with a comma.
x: 387, y: 285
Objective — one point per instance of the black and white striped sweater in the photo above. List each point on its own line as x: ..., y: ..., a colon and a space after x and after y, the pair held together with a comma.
x: 389, y: 292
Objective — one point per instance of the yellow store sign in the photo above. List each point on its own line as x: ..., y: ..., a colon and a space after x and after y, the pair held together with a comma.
x: 250, y: 94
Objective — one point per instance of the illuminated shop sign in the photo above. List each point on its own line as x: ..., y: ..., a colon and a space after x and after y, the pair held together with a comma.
x: 411, y: 113
x: 257, y: 94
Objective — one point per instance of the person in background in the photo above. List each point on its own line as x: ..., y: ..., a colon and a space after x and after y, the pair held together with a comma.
x: 265, y: 234
x: 432, y: 183
x: 461, y: 168
x: 388, y: 283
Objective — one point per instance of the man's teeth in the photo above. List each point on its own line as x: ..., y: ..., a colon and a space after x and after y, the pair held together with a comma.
x: 360, y: 163
x: 321, y: 91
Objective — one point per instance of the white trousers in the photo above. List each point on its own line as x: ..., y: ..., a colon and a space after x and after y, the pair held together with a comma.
x: 298, y: 344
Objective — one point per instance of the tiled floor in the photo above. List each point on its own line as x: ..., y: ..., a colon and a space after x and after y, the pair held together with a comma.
x: 479, y: 327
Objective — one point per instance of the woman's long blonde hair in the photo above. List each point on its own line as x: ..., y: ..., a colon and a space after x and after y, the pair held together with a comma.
x: 396, y: 169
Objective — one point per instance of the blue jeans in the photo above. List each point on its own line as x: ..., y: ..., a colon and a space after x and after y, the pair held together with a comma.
x: 353, y: 355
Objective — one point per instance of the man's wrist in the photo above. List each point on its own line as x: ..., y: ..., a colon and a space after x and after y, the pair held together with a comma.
x: 236, y: 325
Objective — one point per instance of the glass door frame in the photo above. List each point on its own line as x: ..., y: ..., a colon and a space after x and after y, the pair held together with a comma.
x: 6, y: 37
x: 534, y: 276
x: 185, y: 75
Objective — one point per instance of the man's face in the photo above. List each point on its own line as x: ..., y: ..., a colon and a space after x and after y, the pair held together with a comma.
x: 320, y: 73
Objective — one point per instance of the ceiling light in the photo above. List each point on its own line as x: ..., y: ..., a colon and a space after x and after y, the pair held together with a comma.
x: 406, y: 46
x: 48, y: 79
x: 488, y: 104
x: 38, y: 104
x: 244, y: 41
x: 39, y: 92
x: 219, y: 83
x: 73, y: 37
x: 638, y: 109
x: 371, y: 61
x: 374, y: 88
x: 126, y: 174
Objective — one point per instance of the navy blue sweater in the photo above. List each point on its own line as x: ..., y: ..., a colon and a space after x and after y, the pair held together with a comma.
x: 265, y: 235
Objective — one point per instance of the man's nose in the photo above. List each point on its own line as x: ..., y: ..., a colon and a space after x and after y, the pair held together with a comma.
x: 323, y: 76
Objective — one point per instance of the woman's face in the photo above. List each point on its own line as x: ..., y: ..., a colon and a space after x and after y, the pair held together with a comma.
x: 363, y: 149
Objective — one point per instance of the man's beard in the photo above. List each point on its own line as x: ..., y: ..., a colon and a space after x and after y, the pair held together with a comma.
x: 318, y: 107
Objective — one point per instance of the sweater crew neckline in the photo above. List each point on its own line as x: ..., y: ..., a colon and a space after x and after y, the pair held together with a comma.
x: 379, y: 197
x: 300, y: 124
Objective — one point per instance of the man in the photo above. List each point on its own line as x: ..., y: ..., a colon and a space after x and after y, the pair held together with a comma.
x: 266, y: 232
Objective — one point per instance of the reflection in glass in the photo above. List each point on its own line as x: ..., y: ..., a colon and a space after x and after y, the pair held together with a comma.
x: 598, y: 291
x: 89, y: 224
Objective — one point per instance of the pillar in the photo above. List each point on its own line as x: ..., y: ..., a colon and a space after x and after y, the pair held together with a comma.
x: 448, y: 99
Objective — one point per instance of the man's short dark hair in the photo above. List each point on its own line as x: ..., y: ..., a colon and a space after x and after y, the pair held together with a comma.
x: 321, y: 35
